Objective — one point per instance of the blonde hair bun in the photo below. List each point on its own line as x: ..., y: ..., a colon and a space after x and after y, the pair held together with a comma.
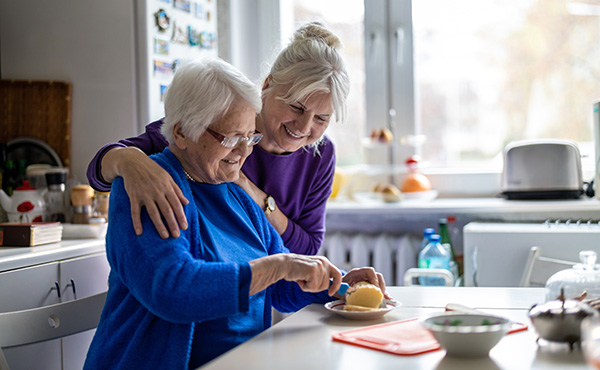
x: 316, y: 30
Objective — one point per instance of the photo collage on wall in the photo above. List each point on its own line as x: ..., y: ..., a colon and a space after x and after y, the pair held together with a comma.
x: 182, y: 29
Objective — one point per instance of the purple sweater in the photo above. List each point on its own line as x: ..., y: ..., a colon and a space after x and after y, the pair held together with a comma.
x: 300, y: 182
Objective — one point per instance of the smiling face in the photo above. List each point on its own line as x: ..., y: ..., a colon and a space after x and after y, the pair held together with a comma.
x: 206, y: 160
x: 289, y: 127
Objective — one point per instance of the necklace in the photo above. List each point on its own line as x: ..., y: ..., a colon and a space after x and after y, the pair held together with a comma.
x: 187, y: 176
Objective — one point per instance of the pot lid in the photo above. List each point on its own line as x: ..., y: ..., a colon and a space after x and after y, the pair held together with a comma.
x: 561, y: 308
x: 581, y: 281
x: 25, y: 186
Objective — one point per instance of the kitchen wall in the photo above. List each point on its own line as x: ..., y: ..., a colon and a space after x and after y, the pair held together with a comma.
x: 87, y: 43
x: 91, y: 44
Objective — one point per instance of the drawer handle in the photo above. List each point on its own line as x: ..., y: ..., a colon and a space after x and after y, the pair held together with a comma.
x: 57, y: 287
x: 72, y: 285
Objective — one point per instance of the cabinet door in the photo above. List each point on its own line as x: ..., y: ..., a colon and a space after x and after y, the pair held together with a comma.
x: 29, y: 288
x: 81, y: 277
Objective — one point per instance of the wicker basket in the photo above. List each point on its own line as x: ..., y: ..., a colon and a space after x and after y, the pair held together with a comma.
x: 38, y: 109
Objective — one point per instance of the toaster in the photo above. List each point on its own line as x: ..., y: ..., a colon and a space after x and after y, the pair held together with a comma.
x: 542, y: 169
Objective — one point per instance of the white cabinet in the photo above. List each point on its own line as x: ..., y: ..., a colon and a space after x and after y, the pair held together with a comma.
x: 76, y: 276
x: 31, y: 287
x: 84, y: 276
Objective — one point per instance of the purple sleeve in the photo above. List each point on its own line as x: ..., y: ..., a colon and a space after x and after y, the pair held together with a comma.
x: 150, y: 142
x: 304, y: 234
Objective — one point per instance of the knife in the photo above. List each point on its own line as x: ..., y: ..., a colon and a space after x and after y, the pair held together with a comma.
x: 344, y: 288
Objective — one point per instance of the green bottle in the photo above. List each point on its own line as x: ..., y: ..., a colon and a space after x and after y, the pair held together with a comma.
x: 21, y: 172
x: 9, y: 178
x: 445, y: 240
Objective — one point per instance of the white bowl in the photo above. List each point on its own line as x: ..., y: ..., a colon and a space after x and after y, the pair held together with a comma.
x: 467, y: 335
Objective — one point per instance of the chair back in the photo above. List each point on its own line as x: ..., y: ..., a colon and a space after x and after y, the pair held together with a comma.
x: 49, y: 322
x: 416, y: 272
x: 539, y: 269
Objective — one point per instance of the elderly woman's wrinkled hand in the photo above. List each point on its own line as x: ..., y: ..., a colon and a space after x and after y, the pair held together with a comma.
x: 313, y: 273
x: 366, y: 274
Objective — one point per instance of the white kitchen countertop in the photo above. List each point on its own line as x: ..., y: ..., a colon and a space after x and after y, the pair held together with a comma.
x: 18, y: 257
x: 304, y: 339
x: 373, y: 215
x: 465, y: 205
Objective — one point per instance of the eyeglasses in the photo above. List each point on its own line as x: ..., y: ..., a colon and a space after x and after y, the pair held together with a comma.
x: 234, y: 141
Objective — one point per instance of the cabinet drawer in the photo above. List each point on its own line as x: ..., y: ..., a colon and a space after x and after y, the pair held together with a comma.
x: 29, y: 287
x: 88, y: 275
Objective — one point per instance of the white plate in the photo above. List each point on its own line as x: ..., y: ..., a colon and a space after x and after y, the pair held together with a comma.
x: 337, y: 307
x: 421, y: 195
x: 367, y: 197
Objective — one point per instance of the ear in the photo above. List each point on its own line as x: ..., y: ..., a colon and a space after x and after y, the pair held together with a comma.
x: 179, y: 137
x: 267, y: 80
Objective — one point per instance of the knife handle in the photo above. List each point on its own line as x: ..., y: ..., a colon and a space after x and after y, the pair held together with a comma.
x: 343, y: 288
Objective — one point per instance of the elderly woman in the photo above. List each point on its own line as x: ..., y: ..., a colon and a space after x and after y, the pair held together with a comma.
x: 289, y: 174
x: 177, y: 303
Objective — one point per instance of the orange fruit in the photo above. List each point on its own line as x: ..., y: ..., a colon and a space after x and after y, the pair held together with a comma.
x: 416, y: 182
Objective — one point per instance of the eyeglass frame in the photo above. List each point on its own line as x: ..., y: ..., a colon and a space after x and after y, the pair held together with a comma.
x: 222, y: 139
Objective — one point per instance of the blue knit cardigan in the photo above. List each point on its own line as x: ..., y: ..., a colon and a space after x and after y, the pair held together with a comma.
x: 158, y: 288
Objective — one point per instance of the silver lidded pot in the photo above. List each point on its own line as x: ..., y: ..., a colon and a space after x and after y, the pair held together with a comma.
x: 570, y: 296
x: 560, y: 320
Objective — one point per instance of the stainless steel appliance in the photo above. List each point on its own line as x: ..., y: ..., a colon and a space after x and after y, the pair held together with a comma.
x: 542, y: 169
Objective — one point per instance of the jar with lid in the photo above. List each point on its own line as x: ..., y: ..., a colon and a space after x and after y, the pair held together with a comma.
x: 581, y: 281
x: 56, y: 195
x: 82, y: 198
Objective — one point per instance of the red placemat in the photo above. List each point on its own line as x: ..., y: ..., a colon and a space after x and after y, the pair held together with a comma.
x: 406, y: 337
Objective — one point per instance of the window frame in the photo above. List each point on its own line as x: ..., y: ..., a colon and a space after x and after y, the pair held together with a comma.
x: 389, y: 63
x: 388, y: 36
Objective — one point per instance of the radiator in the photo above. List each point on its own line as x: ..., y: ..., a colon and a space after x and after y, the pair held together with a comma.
x: 389, y: 254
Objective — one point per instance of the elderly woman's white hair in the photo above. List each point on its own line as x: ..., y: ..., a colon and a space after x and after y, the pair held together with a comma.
x: 202, y: 92
x: 312, y: 64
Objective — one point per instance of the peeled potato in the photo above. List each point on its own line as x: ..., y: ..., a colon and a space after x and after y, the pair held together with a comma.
x: 365, y: 295
x: 349, y: 307
x: 416, y: 182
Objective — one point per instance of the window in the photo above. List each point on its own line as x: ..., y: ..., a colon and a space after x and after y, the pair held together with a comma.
x: 346, y: 19
x: 457, y: 80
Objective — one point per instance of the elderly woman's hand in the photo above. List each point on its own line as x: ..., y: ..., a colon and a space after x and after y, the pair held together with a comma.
x: 149, y: 185
x: 367, y: 274
x: 312, y: 273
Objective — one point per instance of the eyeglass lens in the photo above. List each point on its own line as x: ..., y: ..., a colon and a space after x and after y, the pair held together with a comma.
x: 233, y: 141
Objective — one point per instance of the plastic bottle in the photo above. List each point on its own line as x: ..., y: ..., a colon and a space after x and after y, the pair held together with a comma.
x: 434, y: 256
x: 426, y: 233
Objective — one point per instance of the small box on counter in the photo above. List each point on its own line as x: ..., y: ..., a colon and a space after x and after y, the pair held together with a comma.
x: 14, y: 234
